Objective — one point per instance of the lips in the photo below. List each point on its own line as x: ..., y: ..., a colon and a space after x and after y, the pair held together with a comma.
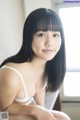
x: 48, y: 51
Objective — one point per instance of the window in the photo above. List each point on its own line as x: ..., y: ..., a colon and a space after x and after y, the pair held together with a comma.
x: 71, y: 22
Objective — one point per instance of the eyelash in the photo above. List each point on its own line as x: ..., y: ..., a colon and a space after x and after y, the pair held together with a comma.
x: 56, y: 35
x: 42, y: 34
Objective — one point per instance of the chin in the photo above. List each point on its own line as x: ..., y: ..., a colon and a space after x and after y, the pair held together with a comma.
x: 48, y: 59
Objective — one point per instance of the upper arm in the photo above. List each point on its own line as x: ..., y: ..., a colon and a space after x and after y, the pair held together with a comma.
x: 9, y: 86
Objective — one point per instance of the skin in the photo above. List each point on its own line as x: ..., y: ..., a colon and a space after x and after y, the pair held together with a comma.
x: 45, y: 46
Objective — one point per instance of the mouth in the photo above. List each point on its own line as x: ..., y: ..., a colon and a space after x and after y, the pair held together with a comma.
x: 48, y: 51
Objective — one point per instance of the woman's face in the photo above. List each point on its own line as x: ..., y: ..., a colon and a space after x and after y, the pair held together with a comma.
x: 46, y: 44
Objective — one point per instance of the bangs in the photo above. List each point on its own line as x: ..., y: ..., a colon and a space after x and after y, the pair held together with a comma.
x: 48, y: 24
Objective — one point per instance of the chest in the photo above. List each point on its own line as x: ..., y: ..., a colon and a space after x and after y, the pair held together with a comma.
x: 29, y: 83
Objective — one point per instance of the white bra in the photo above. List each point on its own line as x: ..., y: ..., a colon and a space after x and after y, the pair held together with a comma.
x: 26, y: 99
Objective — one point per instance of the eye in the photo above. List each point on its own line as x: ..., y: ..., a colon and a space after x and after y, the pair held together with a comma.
x: 40, y: 34
x: 56, y: 35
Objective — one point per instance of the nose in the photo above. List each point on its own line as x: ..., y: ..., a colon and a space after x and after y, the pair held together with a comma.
x: 49, y: 41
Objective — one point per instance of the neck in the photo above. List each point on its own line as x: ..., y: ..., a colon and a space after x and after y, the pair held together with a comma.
x: 37, y: 63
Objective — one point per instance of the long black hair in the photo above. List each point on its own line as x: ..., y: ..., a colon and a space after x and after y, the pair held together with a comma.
x: 43, y: 19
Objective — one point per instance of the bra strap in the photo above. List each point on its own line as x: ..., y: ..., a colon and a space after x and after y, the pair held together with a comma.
x: 5, y: 66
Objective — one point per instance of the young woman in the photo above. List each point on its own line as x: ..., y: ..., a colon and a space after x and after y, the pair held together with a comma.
x: 38, y: 67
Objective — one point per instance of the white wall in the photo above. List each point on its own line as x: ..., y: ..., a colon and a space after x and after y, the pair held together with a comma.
x: 12, y: 15
x: 30, y: 5
x: 11, y: 24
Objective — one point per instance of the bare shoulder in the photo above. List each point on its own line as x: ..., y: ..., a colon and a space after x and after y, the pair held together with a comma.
x: 9, y: 87
x: 9, y: 77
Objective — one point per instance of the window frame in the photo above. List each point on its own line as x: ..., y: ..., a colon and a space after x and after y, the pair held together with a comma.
x: 64, y: 98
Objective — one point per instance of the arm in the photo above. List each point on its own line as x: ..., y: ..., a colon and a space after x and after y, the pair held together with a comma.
x: 9, y: 87
x: 40, y: 97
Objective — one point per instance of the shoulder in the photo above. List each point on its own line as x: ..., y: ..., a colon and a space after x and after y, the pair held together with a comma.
x: 9, y: 87
x: 9, y: 77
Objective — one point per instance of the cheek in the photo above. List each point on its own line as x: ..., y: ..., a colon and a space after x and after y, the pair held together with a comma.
x: 37, y: 44
x: 58, y: 45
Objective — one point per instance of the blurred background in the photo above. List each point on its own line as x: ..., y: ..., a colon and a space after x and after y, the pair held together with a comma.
x: 12, y: 16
